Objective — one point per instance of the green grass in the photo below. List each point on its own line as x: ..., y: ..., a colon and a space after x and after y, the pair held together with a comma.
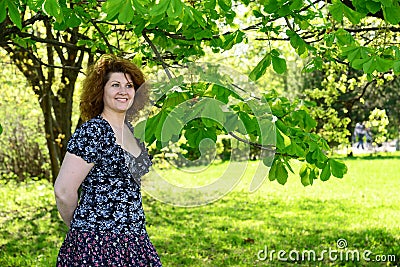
x: 362, y: 208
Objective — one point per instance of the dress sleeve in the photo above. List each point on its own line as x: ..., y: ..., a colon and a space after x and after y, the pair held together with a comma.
x: 86, y: 142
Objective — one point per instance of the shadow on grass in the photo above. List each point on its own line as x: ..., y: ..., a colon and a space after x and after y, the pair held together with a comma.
x: 229, y: 232
x: 28, y: 237
x: 232, y: 231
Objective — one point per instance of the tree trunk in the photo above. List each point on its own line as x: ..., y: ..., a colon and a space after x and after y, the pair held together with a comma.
x: 55, y: 103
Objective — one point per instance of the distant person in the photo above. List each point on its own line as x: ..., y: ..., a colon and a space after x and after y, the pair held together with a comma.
x: 368, y: 137
x: 359, y: 133
x: 107, y: 223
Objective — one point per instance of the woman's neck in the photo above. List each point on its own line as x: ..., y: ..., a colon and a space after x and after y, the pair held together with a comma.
x: 116, y: 120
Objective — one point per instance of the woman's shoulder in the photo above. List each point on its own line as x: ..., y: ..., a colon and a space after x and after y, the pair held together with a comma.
x: 96, y: 127
x: 89, y: 139
x: 94, y: 123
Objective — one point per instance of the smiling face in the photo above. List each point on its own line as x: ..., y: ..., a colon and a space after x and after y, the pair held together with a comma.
x: 119, y: 93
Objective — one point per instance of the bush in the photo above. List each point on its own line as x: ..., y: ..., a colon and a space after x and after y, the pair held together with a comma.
x: 23, y: 153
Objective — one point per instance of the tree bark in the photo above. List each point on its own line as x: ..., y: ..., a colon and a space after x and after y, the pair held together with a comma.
x: 55, y: 103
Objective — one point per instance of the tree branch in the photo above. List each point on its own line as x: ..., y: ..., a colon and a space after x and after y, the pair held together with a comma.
x: 110, y: 48
x: 154, y: 48
x: 271, y: 148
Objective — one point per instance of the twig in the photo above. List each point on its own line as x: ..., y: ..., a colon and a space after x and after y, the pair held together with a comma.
x: 241, y: 89
x: 289, y: 25
x: 102, y: 35
x: 154, y: 48
x: 268, y: 148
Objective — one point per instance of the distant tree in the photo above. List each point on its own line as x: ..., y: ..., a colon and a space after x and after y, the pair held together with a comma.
x: 49, y: 40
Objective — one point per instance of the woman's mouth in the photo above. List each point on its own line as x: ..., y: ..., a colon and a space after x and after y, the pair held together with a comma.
x: 122, y: 99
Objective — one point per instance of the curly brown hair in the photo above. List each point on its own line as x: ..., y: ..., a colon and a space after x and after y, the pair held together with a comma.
x: 91, y: 102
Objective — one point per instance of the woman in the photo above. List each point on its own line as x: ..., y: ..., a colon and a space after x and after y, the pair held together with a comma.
x: 105, y: 160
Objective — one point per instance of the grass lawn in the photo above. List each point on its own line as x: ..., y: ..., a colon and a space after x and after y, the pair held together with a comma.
x: 361, y: 209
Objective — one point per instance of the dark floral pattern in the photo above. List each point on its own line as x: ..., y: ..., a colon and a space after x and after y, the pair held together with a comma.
x: 82, y: 248
x: 110, y: 205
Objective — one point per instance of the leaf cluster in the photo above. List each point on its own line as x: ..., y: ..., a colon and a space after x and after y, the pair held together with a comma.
x: 171, y: 32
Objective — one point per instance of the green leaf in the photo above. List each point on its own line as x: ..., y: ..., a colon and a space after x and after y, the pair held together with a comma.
x: 198, y: 16
x: 383, y: 65
x: 226, y: 5
x: 175, y: 9
x: 305, y: 175
x: 160, y: 124
x: 326, y: 172
x: 392, y: 14
x: 232, y: 39
x: 111, y: 8
x: 354, y: 52
x: 284, y: 11
x: 1, y: 129
x: 373, y: 6
x: 336, y: 10
x: 268, y: 132
x: 297, y: 42
x: 314, y: 64
x: 338, y: 168
x: 210, y: 4
x: 247, y: 121
x: 396, y: 67
x: 221, y: 93
x: 272, y: 171
x: 282, y: 140
x: 369, y: 66
x: 126, y: 12
x: 296, y: 5
x: 270, y: 6
x: 281, y: 173
x: 279, y: 64
x: 196, y: 135
x: 344, y: 37
x: 140, y: 130
x: 187, y: 15
x: 171, y: 127
x: 261, y: 68
x: 53, y: 8
x: 152, y: 126
x: 141, y: 24
x: 277, y: 172
x: 3, y: 11
x: 358, y: 63
x: 212, y: 110
x: 352, y: 15
x: 72, y: 20
x: 319, y: 155
x: 329, y: 39
x: 231, y: 122
x: 303, y: 120
x: 14, y: 14
x: 267, y: 161
x: 302, y: 22
x: 175, y: 98
x: 386, y: 3
x: 160, y: 8
x: 140, y: 7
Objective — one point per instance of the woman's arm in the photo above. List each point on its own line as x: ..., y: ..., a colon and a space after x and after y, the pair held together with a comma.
x: 72, y: 172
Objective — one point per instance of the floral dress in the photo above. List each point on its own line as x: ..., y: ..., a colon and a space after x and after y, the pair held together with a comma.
x: 108, y: 226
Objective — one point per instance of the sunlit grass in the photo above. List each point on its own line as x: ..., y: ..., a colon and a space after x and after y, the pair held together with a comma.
x: 362, y: 208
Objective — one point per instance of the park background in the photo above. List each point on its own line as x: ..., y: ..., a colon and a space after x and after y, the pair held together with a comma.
x: 320, y: 68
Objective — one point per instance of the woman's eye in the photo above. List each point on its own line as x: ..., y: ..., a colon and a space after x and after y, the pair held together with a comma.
x: 129, y: 85
x: 115, y: 85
